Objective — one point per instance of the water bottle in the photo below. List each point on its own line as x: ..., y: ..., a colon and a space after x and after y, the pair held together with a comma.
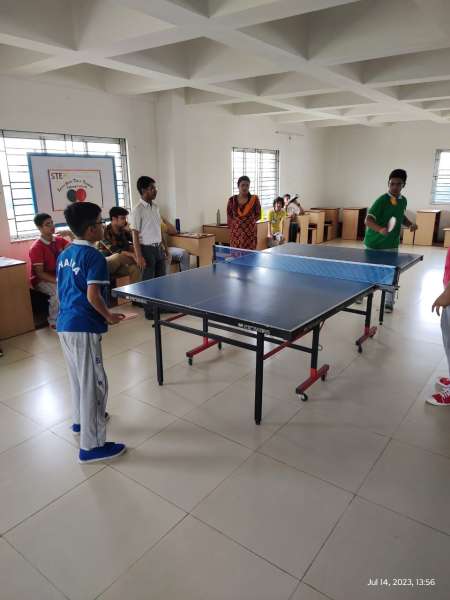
x: 177, y: 225
x: 218, y: 217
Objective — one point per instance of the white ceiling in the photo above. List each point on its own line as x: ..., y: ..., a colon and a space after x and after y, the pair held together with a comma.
x: 315, y: 63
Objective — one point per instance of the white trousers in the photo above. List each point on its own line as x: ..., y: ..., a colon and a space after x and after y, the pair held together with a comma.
x: 178, y: 255
x: 88, y: 385
x: 49, y: 289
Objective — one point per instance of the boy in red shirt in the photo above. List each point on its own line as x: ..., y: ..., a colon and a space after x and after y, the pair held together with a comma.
x: 442, y: 395
x: 43, y: 255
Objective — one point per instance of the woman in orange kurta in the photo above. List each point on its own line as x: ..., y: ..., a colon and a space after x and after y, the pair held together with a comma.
x: 243, y: 211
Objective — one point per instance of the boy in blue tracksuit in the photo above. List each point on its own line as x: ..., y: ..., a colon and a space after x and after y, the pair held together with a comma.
x: 82, y: 275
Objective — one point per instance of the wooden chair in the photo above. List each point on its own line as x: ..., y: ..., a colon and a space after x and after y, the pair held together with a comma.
x: 312, y: 225
x: 285, y: 229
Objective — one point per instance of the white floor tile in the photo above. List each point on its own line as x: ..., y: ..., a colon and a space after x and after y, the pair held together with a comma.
x: 183, y: 463
x: 305, y: 592
x: 195, y: 385
x: 371, y: 542
x: 125, y: 370
x: 11, y: 353
x: 15, y: 428
x: 40, y: 340
x: 18, y: 580
x: 279, y: 513
x: 194, y: 562
x: 47, y: 404
x: 425, y: 425
x: 162, y: 396
x: 337, y: 453
x: 231, y: 413
x: 34, y: 474
x: 87, y: 539
x: 413, y: 482
x: 27, y: 374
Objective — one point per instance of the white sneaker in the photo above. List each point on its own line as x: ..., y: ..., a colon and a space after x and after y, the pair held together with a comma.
x: 440, y: 399
x: 442, y: 384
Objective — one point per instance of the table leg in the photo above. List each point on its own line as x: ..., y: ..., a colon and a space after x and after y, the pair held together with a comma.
x: 159, y: 358
x: 368, y: 330
x: 207, y: 343
x: 382, y: 304
x: 315, y: 373
x: 259, y: 376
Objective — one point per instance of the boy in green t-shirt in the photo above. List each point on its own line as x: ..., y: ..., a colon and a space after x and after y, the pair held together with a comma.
x: 381, y: 215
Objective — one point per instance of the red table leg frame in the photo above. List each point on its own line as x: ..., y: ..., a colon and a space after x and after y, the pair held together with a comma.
x: 207, y: 343
x: 314, y: 375
x: 369, y: 332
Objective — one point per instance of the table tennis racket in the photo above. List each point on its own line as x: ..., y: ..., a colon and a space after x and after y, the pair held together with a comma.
x: 127, y: 317
x: 391, y: 224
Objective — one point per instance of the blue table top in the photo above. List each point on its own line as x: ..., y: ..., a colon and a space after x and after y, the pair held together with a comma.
x: 277, y: 301
x: 265, y: 290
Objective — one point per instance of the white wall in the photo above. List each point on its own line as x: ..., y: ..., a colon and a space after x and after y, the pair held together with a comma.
x: 358, y: 161
x: 194, y: 152
x: 31, y: 106
x: 187, y: 149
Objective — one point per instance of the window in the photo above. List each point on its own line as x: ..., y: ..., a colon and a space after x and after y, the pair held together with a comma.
x: 15, y: 177
x: 263, y: 169
x: 440, y: 191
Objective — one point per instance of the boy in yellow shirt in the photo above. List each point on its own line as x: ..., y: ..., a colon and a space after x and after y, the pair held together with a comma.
x: 276, y: 218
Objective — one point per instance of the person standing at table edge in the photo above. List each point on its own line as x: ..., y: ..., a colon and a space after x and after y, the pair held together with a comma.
x: 145, y: 224
x: 390, y: 204
x: 243, y: 211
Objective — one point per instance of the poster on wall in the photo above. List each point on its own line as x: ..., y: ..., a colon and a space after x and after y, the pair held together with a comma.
x: 69, y: 185
x: 58, y: 180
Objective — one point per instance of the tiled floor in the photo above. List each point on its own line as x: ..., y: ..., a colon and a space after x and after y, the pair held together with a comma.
x: 325, y: 495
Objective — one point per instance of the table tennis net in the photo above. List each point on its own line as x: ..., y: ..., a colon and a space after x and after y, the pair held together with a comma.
x: 319, y: 267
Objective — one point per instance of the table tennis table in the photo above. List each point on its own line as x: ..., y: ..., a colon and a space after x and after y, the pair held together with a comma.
x: 277, y: 295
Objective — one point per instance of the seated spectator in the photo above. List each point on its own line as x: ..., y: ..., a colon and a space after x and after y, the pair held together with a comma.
x: 174, y: 255
x: 293, y: 207
x: 293, y: 210
x: 117, y: 247
x: 276, y: 218
x: 43, y: 254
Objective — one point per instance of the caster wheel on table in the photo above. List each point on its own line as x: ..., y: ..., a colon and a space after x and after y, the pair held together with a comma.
x: 360, y: 349
x: 324, y: 376
x: 190, y: 361
x: 303, y: 397
x: 219, y: 345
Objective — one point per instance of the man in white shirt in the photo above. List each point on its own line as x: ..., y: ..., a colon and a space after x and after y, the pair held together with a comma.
x: 145, y: 224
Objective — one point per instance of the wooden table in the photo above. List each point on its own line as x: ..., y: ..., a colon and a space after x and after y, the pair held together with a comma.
x: 446, y: 237
x: 427, y: 221
x: 408, y: 237
x: 222, y: 233
x: 331, y: 222
x: 16, y: 316
x: 198, y: 244
x: 312, y: 225
x: 353, y: 223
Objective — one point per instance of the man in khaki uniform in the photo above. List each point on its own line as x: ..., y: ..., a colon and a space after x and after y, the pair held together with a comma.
x: 117, y: 247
